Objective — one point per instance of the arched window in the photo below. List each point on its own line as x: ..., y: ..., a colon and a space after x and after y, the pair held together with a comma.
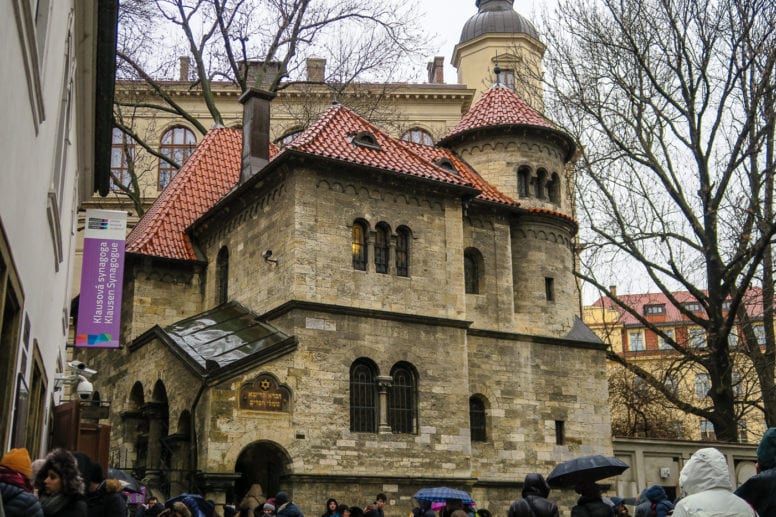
x: 418, y: 136
x: 523, y: 182
x: 363, y: 397
x: 358, y: 245
x: 472, y: 270
x: 541, y: 183
x: 222, y: 276
x: 403, y: 251
x: 382, y: 247
x: 553, y: 189
x: 477, y: 419
x: 178, y: 143
x: 122, y: 152
x: 402, y: 399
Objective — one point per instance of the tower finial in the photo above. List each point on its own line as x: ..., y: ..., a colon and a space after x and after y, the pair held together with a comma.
x: 497, y: 71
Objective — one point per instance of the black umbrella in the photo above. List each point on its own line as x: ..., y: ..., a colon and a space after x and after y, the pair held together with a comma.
x: 129, y: 483
x: 586, y: 468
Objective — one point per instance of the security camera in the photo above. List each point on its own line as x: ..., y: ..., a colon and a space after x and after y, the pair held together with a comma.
x: 84, y: 389
x: 81, y: 368
x: 267, y: 254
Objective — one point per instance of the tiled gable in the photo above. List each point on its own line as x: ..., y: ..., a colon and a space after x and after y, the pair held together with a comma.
x: 499, y: 106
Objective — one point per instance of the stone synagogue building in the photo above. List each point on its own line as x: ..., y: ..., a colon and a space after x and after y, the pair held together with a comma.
x: 353, y: 313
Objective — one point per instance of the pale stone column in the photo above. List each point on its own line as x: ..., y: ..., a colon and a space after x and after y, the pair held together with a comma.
x: 154, y: 411
x: 383, y: 383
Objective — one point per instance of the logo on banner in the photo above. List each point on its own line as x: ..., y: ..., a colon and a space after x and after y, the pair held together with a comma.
x: 102, y: 272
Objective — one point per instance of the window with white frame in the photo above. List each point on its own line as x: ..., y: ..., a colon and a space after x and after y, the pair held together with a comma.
x: 636, y: 341
x: 671, y: 383
x: 707, y: 430
x: 696, y: 338
x: 702, y: 385
x: 743, y: 436
x: 663, y: 343
x: 655, y: 308
x: 759, y: 334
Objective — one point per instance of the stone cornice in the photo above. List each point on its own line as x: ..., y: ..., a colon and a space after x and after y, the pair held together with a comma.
x: 545, y: 340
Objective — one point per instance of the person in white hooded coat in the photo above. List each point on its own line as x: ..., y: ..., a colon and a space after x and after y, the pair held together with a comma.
x: 705, y: 479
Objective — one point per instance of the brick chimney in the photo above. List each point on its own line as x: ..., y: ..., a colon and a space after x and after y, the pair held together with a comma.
x: 255, y: 153
x: 436, y: 70
x: 185, y: 64
x: 316, y: 69
x: 613, y: 290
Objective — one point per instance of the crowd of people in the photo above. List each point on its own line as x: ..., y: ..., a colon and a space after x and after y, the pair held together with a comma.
x: 66, y: 484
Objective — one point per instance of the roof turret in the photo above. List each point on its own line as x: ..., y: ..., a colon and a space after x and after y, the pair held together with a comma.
x: 496, y: 16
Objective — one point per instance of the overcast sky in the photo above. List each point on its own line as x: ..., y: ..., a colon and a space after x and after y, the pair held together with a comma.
x: 446, y: 18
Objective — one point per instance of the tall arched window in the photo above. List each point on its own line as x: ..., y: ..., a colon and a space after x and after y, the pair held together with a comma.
x: 418, y: 136
x: 363, y: 397
x: 403, y: 251
x: 541, y: 183
x: 472, y: 270
x: 523, y: 181
x: 382, y: 247
x: 122, y: 152
x: 358, y: 245
x: 178, y: 143
x: 477, y: 419
x: 402, y: 399
x: 553, y: 189
x: 222, y: 276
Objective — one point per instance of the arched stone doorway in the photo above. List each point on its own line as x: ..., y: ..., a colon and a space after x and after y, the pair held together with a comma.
x: 263, y: 462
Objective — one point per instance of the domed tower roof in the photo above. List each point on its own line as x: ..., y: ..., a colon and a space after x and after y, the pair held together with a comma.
x: 496, y: 16
x: 501, y: 109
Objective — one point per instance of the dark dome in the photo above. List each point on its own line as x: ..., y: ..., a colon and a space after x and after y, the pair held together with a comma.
x: 496, y: 16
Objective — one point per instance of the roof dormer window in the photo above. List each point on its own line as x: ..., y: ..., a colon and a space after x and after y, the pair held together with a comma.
x: 365, y: 139
x: 447, y: 165
x: 655, y: 309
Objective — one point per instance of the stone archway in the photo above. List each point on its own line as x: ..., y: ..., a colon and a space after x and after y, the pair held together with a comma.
x: 264, y: 463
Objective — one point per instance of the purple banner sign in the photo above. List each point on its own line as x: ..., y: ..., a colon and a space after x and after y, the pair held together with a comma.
x: 99, y: 306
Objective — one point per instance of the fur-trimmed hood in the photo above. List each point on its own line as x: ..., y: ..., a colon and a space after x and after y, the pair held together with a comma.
x: 64, y: 464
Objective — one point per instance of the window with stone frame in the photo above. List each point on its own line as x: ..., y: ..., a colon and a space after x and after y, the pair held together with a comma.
x: 178, y: 143
x: 702, y: 386
x: 403, y: 399
x: 122, y: 153
x: 358, y: 245
x: 403, y: 251
x: 553, y: 189
x: 418, y: 136
x: 541, y: 184
x: 636, y: 341
x: 743, y: 435
x: 707, y: 430
x: 363, y: 397
x: 696, y: 338
x: 222, y: 276
x: 663, y: 343
x: 523, y: 182
x: 11, y: 303
x: 477, y: 419
x: 472, y: 270
x: 382, y: 247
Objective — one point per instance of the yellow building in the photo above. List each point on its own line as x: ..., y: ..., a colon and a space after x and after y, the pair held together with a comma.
x: 634, y: 406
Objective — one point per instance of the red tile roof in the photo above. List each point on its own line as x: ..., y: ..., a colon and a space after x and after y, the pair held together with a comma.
x: 331, y: 137
x: 499, y: 106
x: 752, y: 300
x: 487, y: 191
x: 211, y: 171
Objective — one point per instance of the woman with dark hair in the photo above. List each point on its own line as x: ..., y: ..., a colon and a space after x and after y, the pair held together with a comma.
x: 60, y: 487
x: 331, y: 508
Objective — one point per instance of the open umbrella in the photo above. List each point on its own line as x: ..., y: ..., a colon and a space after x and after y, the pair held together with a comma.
x: 194, y: 502
x: 442, y: 494
x: 127, y: 481
x: 586, y: 468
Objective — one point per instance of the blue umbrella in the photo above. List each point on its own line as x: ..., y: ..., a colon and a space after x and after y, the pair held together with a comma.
x: 442, y: 494
x: 194, y: 502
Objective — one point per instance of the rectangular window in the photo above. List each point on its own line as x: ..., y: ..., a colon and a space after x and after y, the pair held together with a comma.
x: 636, y: 341
x: 549, y: 288
x: 672, y: 384
x: 732, y: 339
x: 759, y: 334
x: 655, y: 309
x: 560, y: 432
x: 663, y: 343
x: 707, y: 430
x: 692, y: 306
x: 11, y: 303
x: 743, y: 436
x: 697, y: 338
x: 702, y: 386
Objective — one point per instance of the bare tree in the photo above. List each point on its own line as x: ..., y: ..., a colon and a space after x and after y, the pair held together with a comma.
x: 255, y: 43
x: 673, y: 104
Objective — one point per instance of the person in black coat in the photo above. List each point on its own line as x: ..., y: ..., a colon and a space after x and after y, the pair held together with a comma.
x: 285, y: 508
x: 760, y: 489
x: 534, y: 502
x: 17, y: 493
x: 60, y: 487
x: 590, y: 502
